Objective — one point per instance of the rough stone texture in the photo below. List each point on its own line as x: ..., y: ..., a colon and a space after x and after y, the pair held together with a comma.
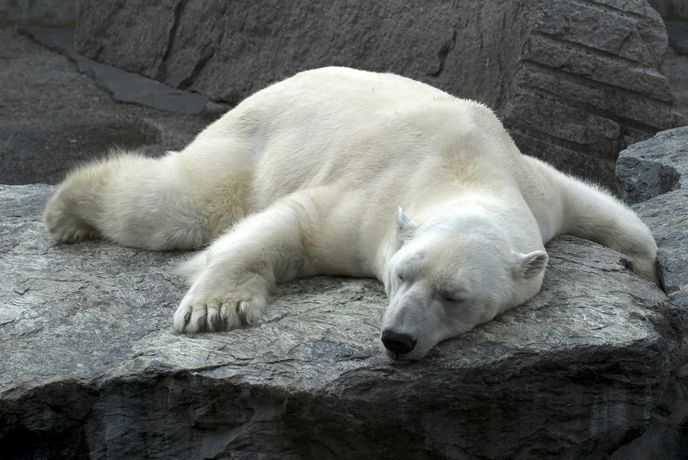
x: 645, y: 172
x: 675, y: 67
x: 587, y: 84
x: 92, y: 368
x: 655, y: 174
x: 653, y: 167
x: 668, y: 216
x: 123, y: 86
x: 575, y: 81
x: 667, y: 435
x: 53, y: 117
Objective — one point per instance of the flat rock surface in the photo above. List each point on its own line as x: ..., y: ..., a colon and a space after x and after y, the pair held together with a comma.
x: 91, y: 364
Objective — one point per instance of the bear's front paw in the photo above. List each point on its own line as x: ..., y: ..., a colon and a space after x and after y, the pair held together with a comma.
x: 203, y: 310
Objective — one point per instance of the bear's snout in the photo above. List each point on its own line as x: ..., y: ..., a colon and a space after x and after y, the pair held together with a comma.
x: 398, y: 343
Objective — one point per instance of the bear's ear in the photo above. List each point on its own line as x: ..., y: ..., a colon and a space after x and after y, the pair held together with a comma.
x: 532, y: 264
x: 405, y: 226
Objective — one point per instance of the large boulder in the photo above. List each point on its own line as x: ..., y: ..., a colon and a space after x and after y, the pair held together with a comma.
x: 575, y: 82
x: 653, y: 167
x: 92, y: 368
x: 654, y: 174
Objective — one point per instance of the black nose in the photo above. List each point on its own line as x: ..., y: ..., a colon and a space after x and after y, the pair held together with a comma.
x: 398, y: 343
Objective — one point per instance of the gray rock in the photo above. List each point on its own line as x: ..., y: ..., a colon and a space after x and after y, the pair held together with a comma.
x: 655, y: 172
x: 574, y: 82
x: 666, y: 437
x: 52, y: 117
x: 653, y: 167
x: 675, y: 67
x: 123, y: 86
x: 92, y: 368
x: 667, y: 216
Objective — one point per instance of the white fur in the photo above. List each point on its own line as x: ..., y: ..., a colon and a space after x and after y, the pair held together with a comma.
x: 305, y: 177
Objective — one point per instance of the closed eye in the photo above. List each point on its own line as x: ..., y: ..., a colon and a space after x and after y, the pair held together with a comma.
x: 452, y: 297
x: 405, y: 275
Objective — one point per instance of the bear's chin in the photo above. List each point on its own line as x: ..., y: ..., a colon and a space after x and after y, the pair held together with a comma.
x: 401, y: 359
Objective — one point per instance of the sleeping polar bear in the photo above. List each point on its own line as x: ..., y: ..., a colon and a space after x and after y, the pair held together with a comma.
x: 306, y: 176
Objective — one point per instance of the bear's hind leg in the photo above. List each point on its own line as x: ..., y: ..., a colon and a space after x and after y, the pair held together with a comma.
x: 71, y: 213
x: 132, y: 200
x: 596, y: 215
x: 568, y: 205
x: 66, y: 227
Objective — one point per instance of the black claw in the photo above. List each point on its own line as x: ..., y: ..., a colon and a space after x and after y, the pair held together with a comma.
x: 215, y: 321
x: 242, y: 317
x: 202, y: 325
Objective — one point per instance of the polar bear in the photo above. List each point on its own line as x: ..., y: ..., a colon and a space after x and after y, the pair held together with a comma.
x: 306, y: 177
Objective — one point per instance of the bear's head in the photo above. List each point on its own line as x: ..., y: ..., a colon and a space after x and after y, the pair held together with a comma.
x: 450, y: 275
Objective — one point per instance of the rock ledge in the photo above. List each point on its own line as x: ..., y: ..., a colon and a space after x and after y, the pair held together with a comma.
x: 92, y: 368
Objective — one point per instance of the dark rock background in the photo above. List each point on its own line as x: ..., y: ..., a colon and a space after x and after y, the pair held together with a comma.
x: 575, y: 82
x: 595, y: 366
x: 52, y: 116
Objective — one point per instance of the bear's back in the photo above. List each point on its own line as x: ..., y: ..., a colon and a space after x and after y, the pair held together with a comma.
x: 338, y: 124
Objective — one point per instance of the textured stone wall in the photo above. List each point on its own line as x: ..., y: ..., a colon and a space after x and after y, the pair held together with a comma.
x: 575, y: 81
